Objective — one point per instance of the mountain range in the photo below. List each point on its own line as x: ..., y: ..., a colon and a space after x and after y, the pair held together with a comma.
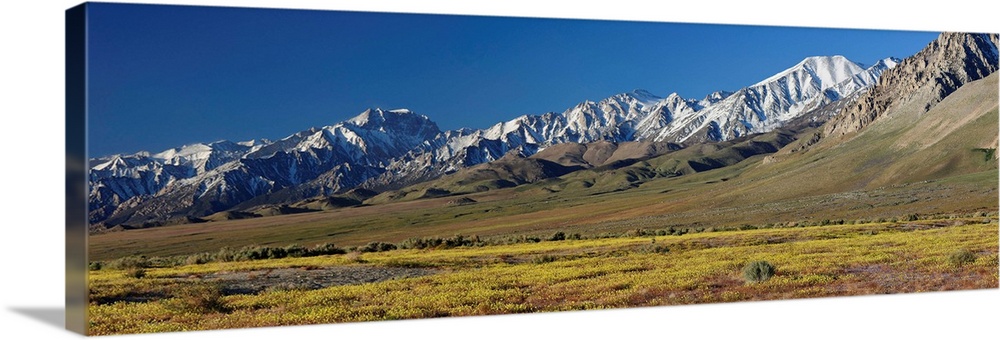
x: 386, y: 150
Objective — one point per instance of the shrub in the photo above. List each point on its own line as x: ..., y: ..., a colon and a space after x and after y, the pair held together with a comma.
x: 295, y: 251
x: 758, y: 271
x: 94, y: 266
x: 543, y: 259
x: 200, y: 298
x: 129, y: 262
x: 226, y: 254
x: 961, y: 257
x: 460, y: 241
x: 373, y: 247
x: 325, y: 249
x: 201, y: 258
x: 136, y: 273
x: 421, y: 243
x: 165, y: 262
x: 248, y: 253
x: 270, y: 252
x: 558, y: 236
x: 447, y: 243
x: 639, y: 232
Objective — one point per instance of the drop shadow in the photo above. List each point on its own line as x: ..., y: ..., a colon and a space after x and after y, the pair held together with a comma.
x: 53, y: 316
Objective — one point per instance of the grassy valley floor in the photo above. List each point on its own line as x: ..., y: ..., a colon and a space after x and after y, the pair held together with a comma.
x: 812, y: 261
x: 704, y: 201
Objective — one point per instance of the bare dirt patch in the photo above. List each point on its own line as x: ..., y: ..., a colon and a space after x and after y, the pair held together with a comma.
x: 308, y: 278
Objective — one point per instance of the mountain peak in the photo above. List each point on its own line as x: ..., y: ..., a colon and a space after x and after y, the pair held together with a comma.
x: 826, y: 71
x: 717, y: 96
x: 644, y: 96
x: 888, y: 63
x: 367, y: 116
x: 396, y: 121
x: 820, y: 59
x: 379, y: 116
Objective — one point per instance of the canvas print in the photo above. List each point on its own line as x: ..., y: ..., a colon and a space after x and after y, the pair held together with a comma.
x: 262, y: 167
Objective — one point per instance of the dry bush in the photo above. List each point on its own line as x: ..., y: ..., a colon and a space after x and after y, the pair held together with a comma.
x: 199, y: 298
x: 961, y: 257
x: 758, y: 271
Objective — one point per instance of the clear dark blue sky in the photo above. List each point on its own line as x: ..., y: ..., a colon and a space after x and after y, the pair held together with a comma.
x: 165, y: 76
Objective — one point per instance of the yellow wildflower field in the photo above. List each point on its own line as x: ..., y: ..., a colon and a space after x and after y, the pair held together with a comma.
x: 818, y: 261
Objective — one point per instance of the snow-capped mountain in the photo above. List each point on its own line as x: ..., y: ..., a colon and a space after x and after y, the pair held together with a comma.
x: 768, y: 104
x: 201, y: 179
x: 119, y: 178
x: 641, y: 116
x: 383, y: 149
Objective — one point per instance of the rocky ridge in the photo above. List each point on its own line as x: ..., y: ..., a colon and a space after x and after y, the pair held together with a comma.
x: 947, y: 63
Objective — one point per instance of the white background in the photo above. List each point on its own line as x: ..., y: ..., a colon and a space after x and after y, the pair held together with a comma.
x: 32, y: 139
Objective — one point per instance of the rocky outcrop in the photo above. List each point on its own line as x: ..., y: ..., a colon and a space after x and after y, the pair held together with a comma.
x: 947, y: 63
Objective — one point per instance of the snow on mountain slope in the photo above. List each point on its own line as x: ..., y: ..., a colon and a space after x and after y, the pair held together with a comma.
x: 384, y: 149
x: 204, y: 157
x: 175, y: 182
x: 641, y: 116
x: 768, y: 104
x: 120, y: 178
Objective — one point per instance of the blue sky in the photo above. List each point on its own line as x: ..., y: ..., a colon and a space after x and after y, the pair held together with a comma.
x: 165, y: 76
